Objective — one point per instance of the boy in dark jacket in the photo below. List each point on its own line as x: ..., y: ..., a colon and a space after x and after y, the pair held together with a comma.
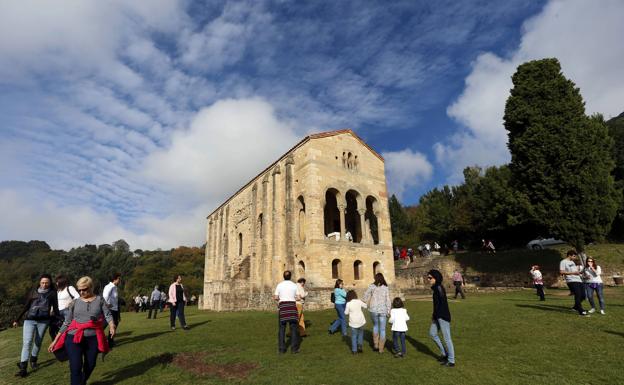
x: 441, y: 319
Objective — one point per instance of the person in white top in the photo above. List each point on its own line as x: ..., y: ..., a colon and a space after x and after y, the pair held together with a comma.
x: 301, y: 294
x: 538, y: 282
x: 572, y: 275
x: 111, y: 297
x: 286, y: 297
x: 593, y: 282
x: 398, y: 319
x: 356, y: 321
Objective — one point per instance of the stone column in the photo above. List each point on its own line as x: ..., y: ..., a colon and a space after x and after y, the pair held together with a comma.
x: 226, y: 245
x: 253, y: 262
x: 219, y: 245
x: 275, y: 227
x: 379, y: 227
x: 289, y: 229
x: 343, y: 210
x: 209, y: 254
x: 363, y: 231
x: 264, y: 267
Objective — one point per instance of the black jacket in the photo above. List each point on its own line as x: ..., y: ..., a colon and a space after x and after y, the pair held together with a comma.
x: 52, y: 308
x: 440, y: 305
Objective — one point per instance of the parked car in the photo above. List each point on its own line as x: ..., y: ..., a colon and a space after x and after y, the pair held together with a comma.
x: 540, y: 242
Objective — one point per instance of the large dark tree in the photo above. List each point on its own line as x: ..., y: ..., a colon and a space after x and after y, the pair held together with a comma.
x: 616, y: 130
x: 561, y: 159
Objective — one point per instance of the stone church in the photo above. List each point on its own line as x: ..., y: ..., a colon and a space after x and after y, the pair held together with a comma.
x: 321, y: 211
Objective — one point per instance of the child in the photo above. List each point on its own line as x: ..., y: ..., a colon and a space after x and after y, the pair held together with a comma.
x: 537, y: 281
x: 356, y: 321
x: 398, y: 319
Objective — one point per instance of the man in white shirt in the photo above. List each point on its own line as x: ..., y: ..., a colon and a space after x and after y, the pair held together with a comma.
x: 286, y: 296
x: 572, y: 274
x: 111, y: 298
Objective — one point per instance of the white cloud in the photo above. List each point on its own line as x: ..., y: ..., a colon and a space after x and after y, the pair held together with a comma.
x: 405, y: 169
x: 585, y: 37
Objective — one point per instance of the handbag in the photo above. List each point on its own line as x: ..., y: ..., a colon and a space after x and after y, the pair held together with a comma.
x: 61, y: 354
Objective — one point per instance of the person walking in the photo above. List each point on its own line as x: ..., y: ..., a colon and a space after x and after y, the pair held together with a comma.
x: 572, y: 275
x: 441, y: 319
x: 65, y: 295
x: 154, y: 302
x: 356, y: 321
x: 538, y: 281
x: 593, y: 283
x: 377, y: 296
x: 398, y: 319
x: 286, y: 296
x: 458, y: 282
x: 177, y: 300
x: 41, y: 304
x: 340, y: 301
x: 301, y: 295
x: 82, y: 333
x: 111, y: 297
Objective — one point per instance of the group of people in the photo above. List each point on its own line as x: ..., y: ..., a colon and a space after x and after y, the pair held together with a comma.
x: 76, y: 318
x: 153, y: 304
x: 380, y: 308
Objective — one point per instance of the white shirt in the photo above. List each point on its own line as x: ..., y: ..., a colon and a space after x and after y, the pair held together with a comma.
x: 354, y: 311
x: 398, y: 319
x: 286, y: 291
x: 591, y: 276
x: 301, y: 294
x: 569, y: 266
x: 110, y: 296
x: 64, y: 297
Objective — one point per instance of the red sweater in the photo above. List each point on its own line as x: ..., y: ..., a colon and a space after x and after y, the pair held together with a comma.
x: 80, y: 327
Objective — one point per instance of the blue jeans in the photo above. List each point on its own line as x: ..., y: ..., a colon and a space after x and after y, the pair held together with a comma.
x: 446, y: 333
x: 396, y: 336
x: 379, y: 324
x: 294, y: 336
x: 82, y: 358
x: 177, y: 309
x: 357, y: 338
x: 340, y: 322
x: 590, y: 295
x: 33, y: 331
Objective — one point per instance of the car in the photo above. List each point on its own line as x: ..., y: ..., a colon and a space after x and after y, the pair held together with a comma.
x: 540, y: 242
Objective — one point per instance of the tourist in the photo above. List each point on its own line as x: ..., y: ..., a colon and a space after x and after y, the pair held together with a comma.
x: 572, y: 275
x: 377, y: 296
x: 154, y: 302
x: 177, y: 300
x: 286, y: 297
x: 301, y: 295
x: 340, y: 300
x: 65, y: 294
x: 436, y: 247
x: 82, y: 333
x: 397, y: 253
x: 137, y: 303
x: 427, y: 250
x: 458, y: 281
x: 356, y: 321
x: 538, y: 281
x: 441, y: 319
x: 111, y: 297
x: 144, y: 302
x: 41, y: 303
x: 163, y: 301
x: 398, y: 319
x: 593, y: 283
x: 455, y: 245
x: 403, y: 253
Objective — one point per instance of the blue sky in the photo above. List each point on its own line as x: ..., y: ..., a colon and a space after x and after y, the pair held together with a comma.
x: 135, y: 119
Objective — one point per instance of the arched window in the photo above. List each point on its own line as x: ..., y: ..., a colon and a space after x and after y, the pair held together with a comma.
x: 240, y: 243
x: 376, y: 268
x: 301, y: 219
x: 260, y: 235
x: 336, y: 269
x: 301, y: 269
x: 352, y: 216
x: 372, y: 225
x: 357, y: 270
x: 331, y: 214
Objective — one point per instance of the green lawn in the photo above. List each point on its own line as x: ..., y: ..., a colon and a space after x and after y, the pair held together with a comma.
x: 506, y: 338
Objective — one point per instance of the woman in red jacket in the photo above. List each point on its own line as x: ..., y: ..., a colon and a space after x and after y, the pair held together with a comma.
x: 82, y: 333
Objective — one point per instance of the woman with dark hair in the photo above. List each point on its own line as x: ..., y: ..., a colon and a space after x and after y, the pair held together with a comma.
x: 356, y: 321
x: 377, y: 296
x: 441, y: 319
x: 593, y: 283
x: 177, y: 300
x: 41, y: 304
x: 82, y: 333
x: 340, y: 303
x: 65, y: 294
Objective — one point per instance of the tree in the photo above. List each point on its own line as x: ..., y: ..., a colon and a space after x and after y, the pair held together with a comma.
x: 561, y: 160
x: 616, y: 130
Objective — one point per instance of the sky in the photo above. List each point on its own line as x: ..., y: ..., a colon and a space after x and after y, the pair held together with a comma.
x: 134, y: 120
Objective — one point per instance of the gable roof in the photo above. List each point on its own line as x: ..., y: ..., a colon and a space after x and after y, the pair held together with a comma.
x: 320, y: 135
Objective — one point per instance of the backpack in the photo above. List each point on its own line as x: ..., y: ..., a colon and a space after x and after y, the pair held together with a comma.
x: 40, y: 306
x: 333, y: 297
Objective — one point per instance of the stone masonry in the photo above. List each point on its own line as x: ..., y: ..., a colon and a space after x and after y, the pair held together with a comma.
x: 321, y: 211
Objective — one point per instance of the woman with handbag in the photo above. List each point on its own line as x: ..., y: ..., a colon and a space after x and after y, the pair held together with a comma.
x: 377, y: 296
x: 82, y: 334
x: 40, y: 306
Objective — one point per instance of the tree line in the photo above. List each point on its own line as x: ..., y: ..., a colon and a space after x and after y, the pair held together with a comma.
x: 565, y: 178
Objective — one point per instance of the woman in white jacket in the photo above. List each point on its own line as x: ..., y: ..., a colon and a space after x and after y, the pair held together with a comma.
x: 593, y: 282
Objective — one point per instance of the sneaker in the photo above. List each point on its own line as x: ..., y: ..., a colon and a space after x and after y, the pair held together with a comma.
x: 585, y: 314
x: 173, y: 328
x: 398, y: 355
x: 449, y: 364
x: 602, y: 312
x: 592, y: 311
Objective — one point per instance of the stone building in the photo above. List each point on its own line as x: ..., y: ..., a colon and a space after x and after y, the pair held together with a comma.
x: 321, y: 211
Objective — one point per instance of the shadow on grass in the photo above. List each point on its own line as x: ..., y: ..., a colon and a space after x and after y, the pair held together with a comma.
x: 621, y: 334
x: 123, y: 334
x: 559, y: 309
x: 197, y: 324
x: 422, y: 348
x: 138, y: 338
x: 135, y: 370
x: 46, y: 363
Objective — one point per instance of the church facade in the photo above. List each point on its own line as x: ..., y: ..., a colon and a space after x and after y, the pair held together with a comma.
x: 320, y: 211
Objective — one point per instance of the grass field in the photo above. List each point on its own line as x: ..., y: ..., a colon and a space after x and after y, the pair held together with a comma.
x: 508, y: 338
